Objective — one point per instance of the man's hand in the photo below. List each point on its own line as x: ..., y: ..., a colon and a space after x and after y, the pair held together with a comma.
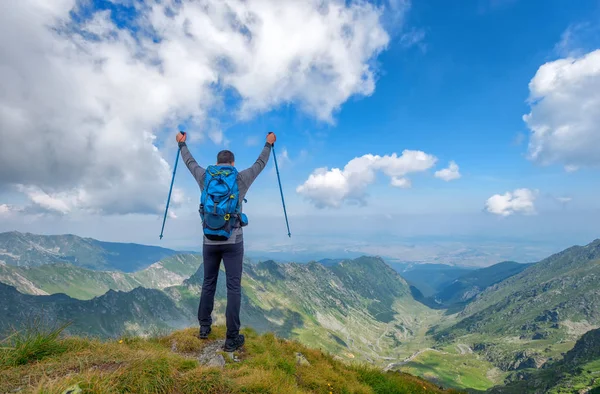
x: 181, y: 137
x: 271, y: 138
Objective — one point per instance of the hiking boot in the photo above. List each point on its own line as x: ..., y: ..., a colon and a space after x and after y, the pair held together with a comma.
x: 204, y: 331
x: 232, y: 344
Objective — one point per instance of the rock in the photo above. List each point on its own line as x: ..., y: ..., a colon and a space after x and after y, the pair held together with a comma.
x: 548, y: 316
x: 210, y: 355
x: 217, y: 361
x: 301, y: 360
x: 539, y: 335
x: 525, y: 360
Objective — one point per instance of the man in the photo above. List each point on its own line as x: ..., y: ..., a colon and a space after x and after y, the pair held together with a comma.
x: 231, y: 250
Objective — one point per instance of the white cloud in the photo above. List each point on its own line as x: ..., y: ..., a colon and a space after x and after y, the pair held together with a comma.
x: 450, y: 173
x: 330, y: 188
x: 6, y: 209
x: 564, y: 118
x: 81, y: 114
x: 61, y: 203
x: 403, y: 183
x: 518, y: 201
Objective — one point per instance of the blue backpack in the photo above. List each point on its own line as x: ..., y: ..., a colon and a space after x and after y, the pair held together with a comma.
x: 220, y: 208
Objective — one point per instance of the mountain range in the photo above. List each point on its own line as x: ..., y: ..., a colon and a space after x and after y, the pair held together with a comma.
x: 83, y: 283
x: 479, y: 328
x: 32, y: 250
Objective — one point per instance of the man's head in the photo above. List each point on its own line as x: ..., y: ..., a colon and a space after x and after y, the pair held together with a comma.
x: 226, y: 157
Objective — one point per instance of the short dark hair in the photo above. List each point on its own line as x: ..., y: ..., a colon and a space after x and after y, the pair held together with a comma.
x: 225, y: 157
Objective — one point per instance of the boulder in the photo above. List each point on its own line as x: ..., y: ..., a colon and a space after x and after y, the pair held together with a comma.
x: 301, y: 360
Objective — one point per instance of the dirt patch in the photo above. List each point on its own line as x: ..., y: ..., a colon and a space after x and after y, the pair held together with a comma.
x: 495, y: 375
x: 579, y: 328
x: 463, y: 349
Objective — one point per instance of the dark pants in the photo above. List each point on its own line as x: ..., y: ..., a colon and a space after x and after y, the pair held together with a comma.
x: 233, y: 256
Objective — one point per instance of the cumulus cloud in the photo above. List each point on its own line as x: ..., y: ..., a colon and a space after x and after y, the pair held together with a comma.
x: 517, y: 201
x: 330, y: 188
x: 564, y: 119
x: 83, y: 105
x: 448, y: 174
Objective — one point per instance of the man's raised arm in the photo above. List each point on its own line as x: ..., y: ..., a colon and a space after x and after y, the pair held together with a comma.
x: 249, y: 175
x: 196, y: 170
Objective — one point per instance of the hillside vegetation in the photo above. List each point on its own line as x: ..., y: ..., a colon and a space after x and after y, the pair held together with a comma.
x: 577, y: 372
x: 27, y: 250
x: 534, y: 316
x: 84, y: 284
x: 514, y: 322
x: 44, y: 363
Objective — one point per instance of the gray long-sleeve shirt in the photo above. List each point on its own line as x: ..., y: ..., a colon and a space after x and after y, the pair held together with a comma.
x: 244, y: 178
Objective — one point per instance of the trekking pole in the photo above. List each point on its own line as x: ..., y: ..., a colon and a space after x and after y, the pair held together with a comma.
x: 170, y: 190
x: 281, y: 191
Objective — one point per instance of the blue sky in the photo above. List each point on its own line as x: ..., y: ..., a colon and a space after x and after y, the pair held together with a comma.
x: 461, y: 98
x: 449, y: 79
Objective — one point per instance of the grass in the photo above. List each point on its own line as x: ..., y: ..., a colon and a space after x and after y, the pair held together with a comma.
x: 32, y: 344
x: 588, y: 376
x: 48, y: 363
x: 452, y: 370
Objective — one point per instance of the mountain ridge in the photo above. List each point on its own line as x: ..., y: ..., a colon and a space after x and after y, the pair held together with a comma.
x: 359, y: 309
x: 83, y: 283
x: 28, y: 249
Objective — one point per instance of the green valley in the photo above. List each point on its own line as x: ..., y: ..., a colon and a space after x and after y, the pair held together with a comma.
x: 490, y: 329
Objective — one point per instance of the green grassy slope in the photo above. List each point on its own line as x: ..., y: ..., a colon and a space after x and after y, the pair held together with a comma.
x: 460, y: 371
x: 578, y: 371
x: 84, y: 284
x: 547, y: 299
x: 141, y: 312
x: 360, y: 309
x: 170, y: 364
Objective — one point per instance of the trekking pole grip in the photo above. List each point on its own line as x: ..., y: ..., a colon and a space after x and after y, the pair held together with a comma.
x: 270, y: 132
